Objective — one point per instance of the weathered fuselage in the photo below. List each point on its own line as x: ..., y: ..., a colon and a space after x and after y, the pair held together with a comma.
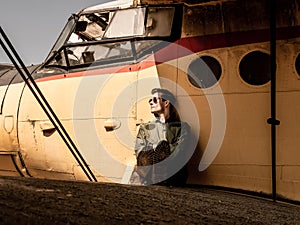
x: 213, y: 55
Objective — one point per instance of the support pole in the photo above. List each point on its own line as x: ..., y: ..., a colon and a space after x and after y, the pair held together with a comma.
x: 273, y: 121
x: 45, y: 105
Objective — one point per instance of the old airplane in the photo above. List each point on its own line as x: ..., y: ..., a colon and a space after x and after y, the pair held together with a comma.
x: 215, y: 55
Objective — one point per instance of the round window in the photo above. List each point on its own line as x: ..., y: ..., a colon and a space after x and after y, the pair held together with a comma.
x: 204, y: 72
x: 297, y: 64
x: 255, y: 68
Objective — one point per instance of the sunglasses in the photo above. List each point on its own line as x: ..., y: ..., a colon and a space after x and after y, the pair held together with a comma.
x: 155, y: 99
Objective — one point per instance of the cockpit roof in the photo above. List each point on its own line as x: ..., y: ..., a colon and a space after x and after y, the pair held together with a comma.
x: 122, y: 4
x: 118, y: 4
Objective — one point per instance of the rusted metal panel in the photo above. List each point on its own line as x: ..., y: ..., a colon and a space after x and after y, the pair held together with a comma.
x: 255, y: 15
x: 216, y: 17
x: 179, y: 1
x: 245, y: 15
x: 202, y: 20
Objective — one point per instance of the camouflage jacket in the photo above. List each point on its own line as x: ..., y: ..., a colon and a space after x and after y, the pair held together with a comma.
x: 151, y: 133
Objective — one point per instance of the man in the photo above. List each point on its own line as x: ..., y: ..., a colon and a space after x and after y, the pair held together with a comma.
x: 161, y: 143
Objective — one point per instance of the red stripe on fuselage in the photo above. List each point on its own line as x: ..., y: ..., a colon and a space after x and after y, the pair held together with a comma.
x: 102, y: 71
x: 187, y: 46
x: 191, y: 45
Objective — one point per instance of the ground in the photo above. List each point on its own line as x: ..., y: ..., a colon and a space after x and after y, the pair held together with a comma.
x: 39, y: 201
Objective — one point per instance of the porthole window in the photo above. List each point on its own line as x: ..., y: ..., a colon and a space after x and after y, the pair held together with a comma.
x: 297, y: 64
x: 204, y: 72
x: 255, y: 68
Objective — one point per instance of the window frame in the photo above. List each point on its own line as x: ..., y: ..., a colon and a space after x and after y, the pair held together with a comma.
x: 174, y: 35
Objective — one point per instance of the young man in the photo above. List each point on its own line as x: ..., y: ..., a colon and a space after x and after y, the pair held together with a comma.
x: 161, y: 143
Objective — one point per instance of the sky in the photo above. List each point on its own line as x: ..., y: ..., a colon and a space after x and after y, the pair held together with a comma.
x: 34, y: 25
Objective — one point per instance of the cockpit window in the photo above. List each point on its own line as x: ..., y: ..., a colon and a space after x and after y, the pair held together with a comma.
x: 131, y: 22
x: 110, y: 36
x: 126, y: 23
x: 97, y: 53
x: 159, y: 21
x: 63, y: 36
x: 91, y: 27
x: 87, y: 54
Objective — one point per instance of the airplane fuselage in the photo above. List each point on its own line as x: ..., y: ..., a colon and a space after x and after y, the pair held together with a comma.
x: 214, y: 56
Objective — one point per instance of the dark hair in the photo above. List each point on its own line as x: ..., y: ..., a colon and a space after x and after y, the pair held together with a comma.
x: 167, y: 95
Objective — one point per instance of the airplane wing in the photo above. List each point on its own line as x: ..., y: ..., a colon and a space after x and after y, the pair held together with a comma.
x: 3, y: 69
x: 6, y: 66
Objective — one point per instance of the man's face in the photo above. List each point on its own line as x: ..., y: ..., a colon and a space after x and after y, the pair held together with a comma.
x: 156, y: 104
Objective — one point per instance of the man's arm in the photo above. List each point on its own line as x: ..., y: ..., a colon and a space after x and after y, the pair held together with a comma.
x: 142, y: 143
x: 179, y: 139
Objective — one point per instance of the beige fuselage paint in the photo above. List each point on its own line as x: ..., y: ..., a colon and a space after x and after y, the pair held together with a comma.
x: 233, y: 138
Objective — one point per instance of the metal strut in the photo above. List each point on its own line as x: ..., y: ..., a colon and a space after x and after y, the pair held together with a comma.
x: 273, y: 121
x: 45, y: 105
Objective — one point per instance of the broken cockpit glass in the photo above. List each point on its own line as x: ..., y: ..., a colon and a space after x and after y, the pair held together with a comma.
x: 105, y: 36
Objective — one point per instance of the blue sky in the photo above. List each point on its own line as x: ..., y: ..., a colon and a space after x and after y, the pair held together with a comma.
x: 34, y: 25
